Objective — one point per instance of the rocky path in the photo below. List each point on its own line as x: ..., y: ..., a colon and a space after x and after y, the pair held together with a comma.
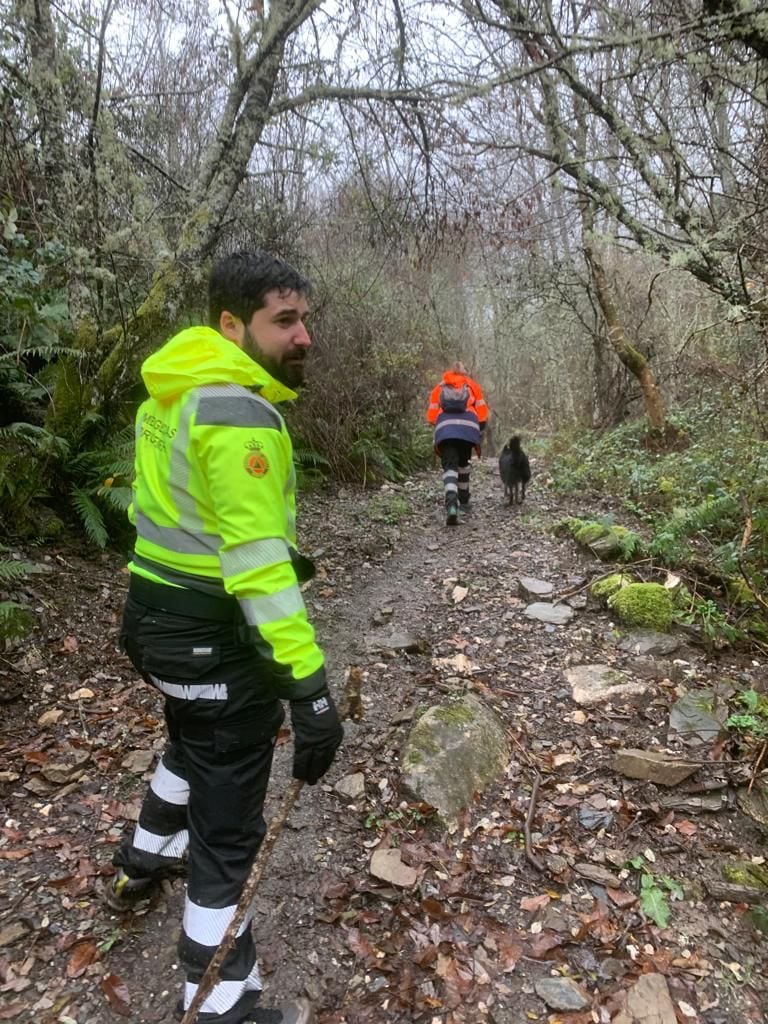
x: 614, y: 919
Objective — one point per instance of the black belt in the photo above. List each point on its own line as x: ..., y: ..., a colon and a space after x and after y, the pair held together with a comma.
x: 181, y: 601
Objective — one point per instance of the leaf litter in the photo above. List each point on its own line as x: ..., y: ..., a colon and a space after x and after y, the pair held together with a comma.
x: 476, y: 926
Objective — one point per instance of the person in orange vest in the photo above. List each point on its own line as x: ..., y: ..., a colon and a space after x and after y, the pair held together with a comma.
x: 459, y: 413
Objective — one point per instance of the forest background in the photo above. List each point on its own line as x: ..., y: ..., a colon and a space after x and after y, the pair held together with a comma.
x: 571, y: 197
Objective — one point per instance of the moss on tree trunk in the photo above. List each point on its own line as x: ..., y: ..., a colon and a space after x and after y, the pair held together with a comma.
x: 633, y: 359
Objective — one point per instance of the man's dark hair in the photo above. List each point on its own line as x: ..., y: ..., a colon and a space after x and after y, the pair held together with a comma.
x: 239, y: 282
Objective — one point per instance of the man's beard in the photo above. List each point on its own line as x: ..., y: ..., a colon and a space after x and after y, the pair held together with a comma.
x: 289, y: 370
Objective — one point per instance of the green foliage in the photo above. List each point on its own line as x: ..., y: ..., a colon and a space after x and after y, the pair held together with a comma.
x: 693, y: 502
x: 388, y: 508
x: 405, y: 819
x: 11, y: 570
x: 15, y: 620
x: 87, y: 471
x: 753, y: 721
x: 605, y: 538
x: 311, y: 467
x: 90, y: 516
x: 707, y: 616
x: 655, y: 892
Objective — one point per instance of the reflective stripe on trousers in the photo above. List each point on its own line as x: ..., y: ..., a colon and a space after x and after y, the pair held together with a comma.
x: 454, y: 458
x: 207, y: 794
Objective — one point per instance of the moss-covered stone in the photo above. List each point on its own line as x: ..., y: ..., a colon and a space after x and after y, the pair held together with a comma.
x: 608, y: 543
x: 452, y: 752
x: 16, y: 620
x: 456, y: 714
x: 746, y: 873
x: 421, y: 741
x: 609, y: 585
x: 643, y: 606
x: 591, y: 532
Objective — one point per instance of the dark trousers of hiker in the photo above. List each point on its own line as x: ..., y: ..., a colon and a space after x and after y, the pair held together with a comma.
x: 454, y: 458
x: 207, y: 794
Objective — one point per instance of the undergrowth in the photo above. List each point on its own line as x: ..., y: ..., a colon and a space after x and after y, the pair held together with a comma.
x: 703, y: 507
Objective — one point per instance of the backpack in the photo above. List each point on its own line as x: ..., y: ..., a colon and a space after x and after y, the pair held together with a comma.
x: 453, y: 399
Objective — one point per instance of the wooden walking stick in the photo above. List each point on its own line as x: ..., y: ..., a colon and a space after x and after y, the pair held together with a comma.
x: 211, y: 975
x: 352, y: 708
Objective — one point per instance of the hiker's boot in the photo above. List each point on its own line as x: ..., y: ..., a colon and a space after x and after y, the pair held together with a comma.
x: 451, y: 512
x: 297, y: 1011
x: 123, y: 893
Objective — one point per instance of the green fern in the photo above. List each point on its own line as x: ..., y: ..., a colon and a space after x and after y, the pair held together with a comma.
x: 308, y: 459
x: 49, y: 352
x: 116, y: 497
x: 90, y: 516
x: 11, y: 571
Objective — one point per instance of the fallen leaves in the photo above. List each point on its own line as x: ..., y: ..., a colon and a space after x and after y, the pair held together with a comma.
x: 84, y: 954
x: 50, y: 717
x: 116, y: 991
x: 13, y: 932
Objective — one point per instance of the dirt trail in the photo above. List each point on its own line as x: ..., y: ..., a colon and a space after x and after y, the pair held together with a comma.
x: 458, y: 946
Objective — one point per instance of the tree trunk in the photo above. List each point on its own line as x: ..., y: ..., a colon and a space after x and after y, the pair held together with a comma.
x: 634, y: 360
x: 45, y: 86
x: 180, y: 279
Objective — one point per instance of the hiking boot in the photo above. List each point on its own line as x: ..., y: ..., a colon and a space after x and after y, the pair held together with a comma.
x: 451, y: 513
x: 123, y: 893
x: 297, y: 1011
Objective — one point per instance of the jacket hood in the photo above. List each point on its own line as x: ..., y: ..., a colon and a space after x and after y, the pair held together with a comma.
x: 200, y: 355
x: 455, y: 379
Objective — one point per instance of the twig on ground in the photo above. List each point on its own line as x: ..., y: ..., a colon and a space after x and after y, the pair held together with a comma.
x: 758, y: 765
x: 529, y: 854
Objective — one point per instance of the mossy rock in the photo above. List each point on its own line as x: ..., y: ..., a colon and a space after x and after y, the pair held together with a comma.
x: 590, y: 532
x: 643, y: 606
x: 605, y: 588
x: 745, y: 873
x: 608, y: 543
x: 16, y: 621
x: 454, y: 751
x: 48, y: 526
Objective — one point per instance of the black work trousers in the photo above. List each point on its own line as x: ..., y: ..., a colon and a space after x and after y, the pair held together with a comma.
x: 454, y: 458
x: 207, y: 794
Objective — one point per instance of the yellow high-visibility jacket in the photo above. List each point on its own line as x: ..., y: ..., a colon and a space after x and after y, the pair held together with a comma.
x: 214, y: 500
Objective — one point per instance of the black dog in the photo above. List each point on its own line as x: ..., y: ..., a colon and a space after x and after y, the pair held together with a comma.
x: 514, y: 470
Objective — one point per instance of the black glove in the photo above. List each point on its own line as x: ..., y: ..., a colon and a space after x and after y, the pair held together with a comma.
x: 317, y: 734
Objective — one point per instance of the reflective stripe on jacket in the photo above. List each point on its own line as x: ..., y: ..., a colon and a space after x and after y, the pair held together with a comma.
x: 457, y: 426
x: 214, y: 496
